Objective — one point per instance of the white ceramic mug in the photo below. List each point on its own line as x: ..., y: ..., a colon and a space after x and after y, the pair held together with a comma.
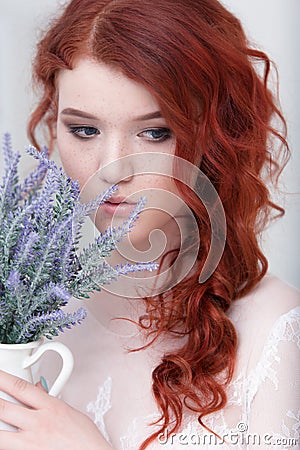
x: 17, y: 359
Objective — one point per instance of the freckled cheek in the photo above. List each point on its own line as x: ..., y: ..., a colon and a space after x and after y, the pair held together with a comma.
x: 158, y: 185
x: 162, y: 196
x: 79, y: 170
x: 75, y: 168
x: 78, y: 166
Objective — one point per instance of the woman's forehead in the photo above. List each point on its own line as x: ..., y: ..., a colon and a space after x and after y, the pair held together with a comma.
x: 102, y: 88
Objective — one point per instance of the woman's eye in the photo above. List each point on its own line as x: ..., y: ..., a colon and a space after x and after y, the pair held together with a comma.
x: 156, y: 134
x: 84, y: 132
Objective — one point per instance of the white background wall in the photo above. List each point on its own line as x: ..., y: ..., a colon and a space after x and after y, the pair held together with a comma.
x: 271, y: 24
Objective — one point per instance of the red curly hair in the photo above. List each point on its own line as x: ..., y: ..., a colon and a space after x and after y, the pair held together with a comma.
x: 193, y: 56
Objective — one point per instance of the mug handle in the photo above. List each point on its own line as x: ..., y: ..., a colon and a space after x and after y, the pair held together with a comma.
x: 67, y: 366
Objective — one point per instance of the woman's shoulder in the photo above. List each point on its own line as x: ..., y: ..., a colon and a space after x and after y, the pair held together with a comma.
x: 276, y: 298
x: 271, y: 298
x: 266, y: 316
x: 280, y: 290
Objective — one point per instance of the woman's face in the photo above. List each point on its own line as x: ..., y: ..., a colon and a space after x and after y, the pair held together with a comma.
x: 104, y: 116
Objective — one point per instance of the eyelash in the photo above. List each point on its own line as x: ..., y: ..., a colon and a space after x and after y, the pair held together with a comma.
x: 165, y: 133
x: 75, y: 130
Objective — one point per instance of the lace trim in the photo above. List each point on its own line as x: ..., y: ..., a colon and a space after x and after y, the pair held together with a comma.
x: 241, y: 393
x: 100, y: 407
x: 286, y: 328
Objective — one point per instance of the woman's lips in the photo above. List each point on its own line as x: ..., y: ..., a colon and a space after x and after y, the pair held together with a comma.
x: 117, y: 199
x: 117, y: 209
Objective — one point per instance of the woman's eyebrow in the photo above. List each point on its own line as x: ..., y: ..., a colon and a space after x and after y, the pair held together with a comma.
x: 77, y: 113
x: 152, y: 115
x: 86, y: 115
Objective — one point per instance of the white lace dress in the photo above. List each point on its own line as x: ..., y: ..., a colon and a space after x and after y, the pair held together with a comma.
x: 113, y: 386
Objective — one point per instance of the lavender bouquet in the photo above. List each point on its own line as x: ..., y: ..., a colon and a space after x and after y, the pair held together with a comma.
x: 40, y: 268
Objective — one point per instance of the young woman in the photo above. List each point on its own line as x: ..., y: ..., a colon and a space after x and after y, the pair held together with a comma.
x: 203, y: 361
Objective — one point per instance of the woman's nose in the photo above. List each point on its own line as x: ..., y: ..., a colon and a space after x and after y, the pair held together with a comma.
x: 116, y: 163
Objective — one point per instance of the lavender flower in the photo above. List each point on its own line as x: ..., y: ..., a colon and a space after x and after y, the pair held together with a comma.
x: 41, y: 220
x: 48, y: 324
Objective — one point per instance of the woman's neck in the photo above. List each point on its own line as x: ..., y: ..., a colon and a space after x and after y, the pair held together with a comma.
x: 124, y: 298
